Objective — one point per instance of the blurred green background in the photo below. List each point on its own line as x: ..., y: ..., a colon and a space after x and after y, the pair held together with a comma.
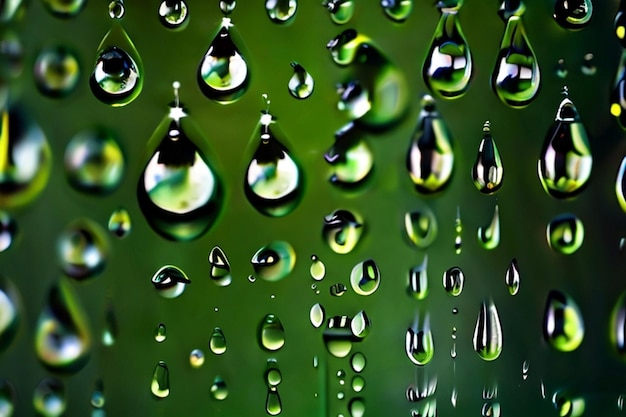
x: 592, y: 275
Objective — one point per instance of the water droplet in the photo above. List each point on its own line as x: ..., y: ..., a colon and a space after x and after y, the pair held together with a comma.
x: 337, y: 290
x: 160, y: 383
x: 273, y: 376
x: 82, y: 249
x: 341, y: 11
x: 10, y: 312
x: 174, y: 14
x: 512, y: 278
x: 220, y: 267
x: 196, y: 358
x: 301, y: 82
x: 25, y: 159
x: 560, y: 69
x: 111, y: 328
x: 447, y: 69
x: 274, y: 261
x: 179, y: 192
x: 223, y: 74
x: 574, y: 14
x: 251, y: 278
x: 620, y: 402
x: 360, y: 325
x: 56, y: 71
x: 487, y: 338
x: 618, y: 326
x: 338, y: 336
x: 11, y: 53
x: 227, y: 6
x: 217, y: 342
x: 490, y: 409
x: 64, y: 8
x: 117, y: 77
x: 358, y: 383
x: 160, y: 334
x: 453, y: 351
x: 98, y: 399
x: 421, y: 227
x: 9, y: 10
x: 219, y: 390
x: 271, y: 333
x: 588, y: 67
x: 455, y: 311
x: 418, y: 280
x: 565, y: 233
x: 525, y: 369
x: 454, y: 397
x: 618, y: 93
x: 8, y: 230
x: 397, y: 10
x: 458, y: 232
x: 430, y: 159
x: 281, y: 11
x: 419, y: 345
x: 453, y: 281
x: 542, y: 390
x: 489, y: 236
x: 568, y: 405
x: 7, y: 398
x: 350, y: 157
x: 565, y: 161
x: 119, y: 223
x: 317, y: 315
x: 170, y: 281
x: 487, y: 171
x: 317, y: 268
x: 620, y: 24
x: 342, y: 230
x: 563, y: 326
x: 356, y: 407
x: 358, y: 362
x: 49, y: 398
x: 365, y: 277
x: 62, y: 336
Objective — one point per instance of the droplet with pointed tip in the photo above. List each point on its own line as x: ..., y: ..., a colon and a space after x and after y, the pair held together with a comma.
x: 487, y: 171
x: 49, y: 398
x: 512, y: 278
x: 301, y: 83
x: 219, y: 271
x: 273, y: 403
x: 620, y: 23
x: 397, y: 10
x: 174, y: 14
x: 421, y: 227
x: 567, y: 405
x: 489, y: 236
x: 418, y: 280
x: 7, y: 398
x: 219, y: 389
x: 316, y: 315
x: 64, y: 9
x: 565, y: 161
x: 110, y: 329
x: 56, y: 71
x: 360, y: 325
x: 419, y: 344
x: 448, y: 67
x: 588, y: 67
x: 223, y: 73
x: 271, y: 333
x: 487, y: 340
x: 317, y: 268
x: 170, y: 281
x: 160, y: 334
x: 565, y: 233
x: 160, y: 382
x: 281, y: 11
x: 82, y: 249
x: 10, y: 312
x: 573, y: 14
x: 227, y: 6
x: 10, y: 10
x: 365, y: 277
x: 618, y: 93
x: 217, y: 343
x: 62, y: 335
x: 338, y: 336
x: 351, y: 158
x: 430, y: 159
x: 490, y: 409
x: 274, y: 261
x: 119, y: 223
x: 563, y: 326
x: 453, y: 281
x: 342, y: 231
x: 98, y: 399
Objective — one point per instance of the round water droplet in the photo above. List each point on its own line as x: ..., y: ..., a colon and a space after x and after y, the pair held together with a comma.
x: 418, y: 280
x: 487, y: 171
x: 397, y: 10
x: 342, y: 230
x: 365, y: 277
x: 160, y: 333
x: 421, y: 227
x: 273, y: 404
x: 220, y: 267
x: 356, y: 407
x: 301, y: 82
x: 281, y: 11
x: 419, y: 345
x: 350, y: 157
x: 10, y: 312
x: 217, y: 343
x: 563, y: 326
x: 358, y: 362
x: 174, y: 14
x: 317, y: 315
x: 317, y: 268
x: 64, y: 8
x: 565, y: 233
x: 170, y: 281
x: 273, y: 376
x: 567, y: 405
x: 219, y: 390
x: 341, y: 11
x: 49, y: 398
x: 489, y: 236
x: 7, y: 398
x: 360, y: 325
x: 82, y: 249
x: 487, y: 340
x: 196, y: 358
x: 119, y: 223
x: 573, y: 14
x: 11, y: 53
x: 358, y: 383
x: 62, y: 336
x: 227, y: 6
x: 453, y: 281
x: 338, y: 336
x: 560, y: 69
x: 98, y: 399
x: 512, y: 278
x: 8, y: 230
x: 56, y: 71
x: 274, y: 261
x: 160, y: 383
x: 271, y: 333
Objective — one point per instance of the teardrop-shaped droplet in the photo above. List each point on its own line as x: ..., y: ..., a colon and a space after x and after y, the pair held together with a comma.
x: 365, y: 277
x: 179, y: 192
x: 119, y: 223
x: 489, y: 236
x: 448, y: 68
x: 338, y: 336
x: 281, y: 11
x: 223, y: 74
x: 341, y: 11
x: 217, y: 343
x: 62, y: 336
x: 358, y: 383
x: 25, y: 159
x: 82, y: 249
x: 512, y: 278
x: 10, y: 312
x: 220, y: 267
x: 7, y: 398
x: 317, y: 315
x: 273, y: 376
x: 174, y: 14
x: 618, y: 326
x: 97, y: 399
x: 430, y: 159
x: 273, y: 404
x: 301, y: 82
x: 418, y: 280
x: 196, y: 358
x: 565, y: 233
x: 56, y: 71
x: 487, y: 171
x: 356, y: 407
x: 565, y: 161
x: 271, y: 333
x: 458, y: 232
x: 49, y: 398
x: 573, y: 14
x: 618, y: 93
x: 227, y: 6
x: 274, y: 261
x: 219, y: 389
x: 620, y: 185
x: 317, y: 268
x: 419, y: 344
x: 487, y: 340
x: 358, y: 362
x: 160, y: 334
x: 421, y: 227
x: 563, y: 326
x: 360, y: 325
x: 160, y: 383
x: 620, y: 23
x: 397, y: 10
x: 567, y: 405
x: 351, y: 158
x: 64, y: 8
x: 453, y: 281
x: 516, y: 76
x: 342, y: 231
x: 170, y: 281
x: 117, y: 77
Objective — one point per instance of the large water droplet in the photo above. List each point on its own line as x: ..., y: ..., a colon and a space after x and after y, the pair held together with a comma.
x: 119, y: 223
x: 490, y: 409
x: 397, y: 10
x: 217, y: 342
x: 342, y: 230
x: 358, y: 362
x: 160, y: 334
x: 56, y: 71
x: 160, y: 383
x: 274, y: 261
x: 421, y: 227
x: 273, y: 404
x: 565, y: 161
x: 567, y: 405
x: 62, y: 336
x: 301, y: 82
x: 64, y: 8
x: 170, y: 281
x: 174, y: 14
x: 281, y: 11
x: 10, y: 312
x: 430, y: 159
x: 512, y: 278
x: 453, y: 281
x: 358, y: 383
x: 489, y: 236
x: 563, y: 326
x: 82, y: 249
x: 588, y: 66
x: 487, y: 171
x: 419, y: 345
x: 223, y: 74
x: 360, y: 325
x: 9, y: 10
x: 7, y: 398
x: 351, y: 158
x: 49, y: 398
x: 316, y: 315
x: 487, y: 340
x: 565, y: 233
x: 271, y: 333
x: 219, y: 389
x: 356, y: 407
x: 338, y: 336
x: 573, y: 14
x: 525, y: 369
x: 418, y: 280
x: 219, y: 271
x: 620, y: 185
x: 447, y: 69
x: 178, y: 191
x: 365, y: 277
x: 618, y: 93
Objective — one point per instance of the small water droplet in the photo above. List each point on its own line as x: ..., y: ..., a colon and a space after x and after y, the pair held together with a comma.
x: 219, y: 271
x: 341, y: 11
x: 487, y: 171
x: 273, y: 376
x: 525, y: 369
x: 560, y: 69
x: 563, y: 326
x: 7, y: 398
x: 358, y: 362
x: 174, y: 14
x: 512, y: 278
x: 119, y: 223
x: 342, y: 231
x: 453, y: 351
x: 196, y: 358
x: 98, y: 399
x: 281, y: 11
x: 218, y: 390
x: 338, y: 336
x: 317, y: 268
x: 227, y: 6
x: 418, y: 280
x: 490, y: 409
x: 574, y: 14
x: 273, y: 404
x: 358, y: 383
x: 217, y: 342
x: 458, y: 232
x: 337, y: 290
x: 356, y: 407
x: 49, y: 398
x: 111, y: 327
x: 360, y: 325
x: 56, y: 71
x: 397, y: 10
x: 487, y: 340
x: 301, y: 83
x: 170, y: 281
x: 489, y: 236
x: 421, y: 227
x: 453, y: 281
x: 160, y: 334
x: 274, y: 261
x: 365, y: 277
x: 160, y: 383
x: 317, y: 315
x: 271, y: 333
x: 568, y: 405
x: 11, y: 53
x: 620, y: 402
x: 251, y: 278
x: 588, y: 66
x: 565, y: 233
x: 315, y: 362
x: 419, y: 345
x: 64, y: 8
x: 10, y: 312
x: 350, y: 157
x: 82, y: 249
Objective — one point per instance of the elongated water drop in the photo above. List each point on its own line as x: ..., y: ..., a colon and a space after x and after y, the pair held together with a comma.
x: 7, y: 398
x: 360, y: 325
x: 563, y: 326
x: 458, y: 232
x: 430, y: 159
x: 620, y: 402
x: 341, y: 11
x: 418, y: 280
x: 453, y: 281
x: 448, y: 69
x: 301, y: 83
x: 565, y: 162
x: 217, y: 343
x: 110, y: 329
x: 62, y: 335
x: 49, y: 398
x: 281, y: 11
x: 273, y: 403
x: 219, y: 389
x: 342, y: 231
x: 338, y: 336
x: 271, y: 333
x: 170, y: 281
x: 219, y: 271
x: 487, y: 340
x: 421, y: 227
x: 397, y: 10
x: 160, y: 334
x: 487, y: 171
x: 10, y: 312
x: 618, y: 93
x: 179, y: 192
x: 160, y: 383
x: 174, y: 14
x: 419, y: 344
x: 565, y: 233
x: 223, y: 74
x: 620, y: 23
x: 365, y: 277
x: 82, y: 249
x: 512, y: 278
x: 351, y: 158
x: 56, y: 71
x: 317, y: 315
x: 119, y: 223
x: 64, y: 8
x: 573, y: 14
x: 489, y: 236
x: 618, y: 326
x: 274, y: 261
x: 567, y: 405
